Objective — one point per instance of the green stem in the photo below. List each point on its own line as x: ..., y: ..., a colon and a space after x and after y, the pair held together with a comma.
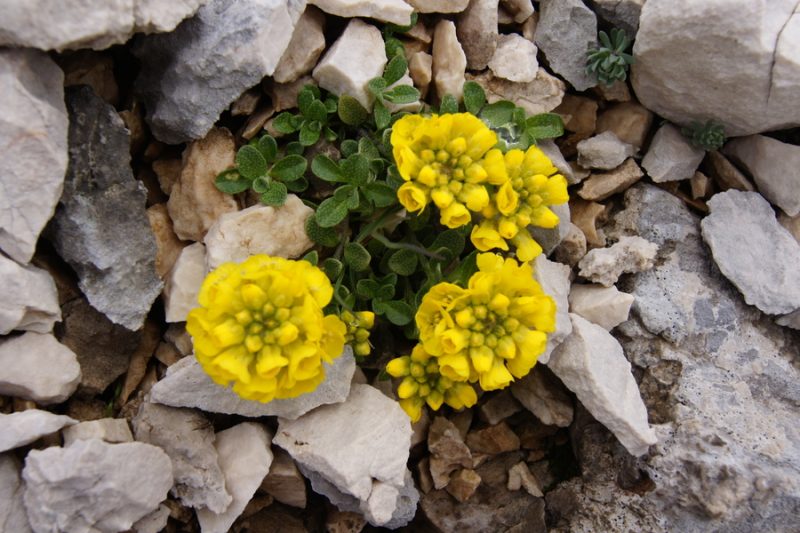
x: 404, y: 246
x: 377, y: 223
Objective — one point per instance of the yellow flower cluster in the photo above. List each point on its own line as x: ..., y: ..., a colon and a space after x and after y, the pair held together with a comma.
x: 260, y: 326
x: 358, y: 324
x: 423, y: 383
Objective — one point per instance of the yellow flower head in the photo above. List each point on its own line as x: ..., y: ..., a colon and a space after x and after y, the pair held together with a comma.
x: 491, y: 332
x: 358, y: 325
x: 260, y: 326
x: 422, y: 383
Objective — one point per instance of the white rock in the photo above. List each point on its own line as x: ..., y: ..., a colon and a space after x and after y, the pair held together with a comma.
x: 591, y: 364
x: 542, y: 95
x: 515, y: 59
x: 439, y: 6
x: 750, y: 86
x: 604, y: 151
x: 753, y: 251
x: 355, y: 58
x: 187, y: 437
x: 24, y: 427
x: 554, y: 279
x: 111, y: 430
x: 542, y: 395
x: 377, y: 429
x: 12, y: 511
x: 449, y: 61
x: 245, y: 458
x: 37, y: 367
x: 670, y: 156
x: 773, y: 165
x: 94, y: 486
x: 183, y: 282
x: 520, y: 10
x: 792, y: 320
x: 477, y: 32
x: 565, y: 32
x: 34, y: 132
x: 628, y: 256
x: 187, y: 385
x: 520, y: 476
x: 307, y: 44
x: 420, y: 68
x: 394, y: 11
x: 30, y: 300
x: 154, y: 522
x: 605, y: 306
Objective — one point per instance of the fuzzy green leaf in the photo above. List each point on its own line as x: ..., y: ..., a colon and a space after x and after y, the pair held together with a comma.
x: 356, y: 257
x: 402, y: 94
x: 261, y: 184
x: 308, y: 133
x: 403, y: 262
x: 356, y: 169
x: 394, y: 47
x: 544, y: 126
x: 323, y: 236
x: 326, y: 169
x: 380, y: 194
x: 354, y: 199
x: 348, y: 147
x: 498, y: 113
x: 285, y: 123
x: 289, y: 168
x: 268, y: 148
x: 298, y: 185
x: 330, y: 212
x: 397, y: 312
x: 317, y: 111
x: 351, y: 112
x: 376, y: 86
x: 295, y: 148
x: 304, y: 100
x: 312, y: 257
x: 382, y: 115
x: 474, y: 97
x: 231, y: 182
x: 451, y: 240
x: 466, y: 268
x: 333, y: 268
x: 275, y: 195
x: 250, y: 163
x: 395, y: 69
x: 449, y: 104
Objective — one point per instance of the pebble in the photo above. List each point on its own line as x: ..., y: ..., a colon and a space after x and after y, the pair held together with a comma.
x: 284, y: 481
x: 601, y: 185
x: 671, y: 157
x: 604, y: 151
x: 628, y: 256
x: 630, y: 121
x: 493, y: 440
x: 586, y: 216
x: 514, y: 59
x: 35, y: 366
x: 542, y: 95
x: 183, y: 283
x: 520, y: 476
x: 111, y: 430
x: 477, y: 32
x: 572, y: 248
x: 420, y: 68
x: 566, y: 30
x: 12, y: 509
x: 307, y: 44
x: 168, y: 245
x: 24, y: 427
x: 725, y: 174
x: 448, y: 451
x: 544, y: 396
x: 449, y: 63
x: 579, y: 114
x: 439, y: 6
x: 605, y: 306
x: 30, y: 299
x: 554, y: 279
x: 394, y: 11
x: 463, y: 484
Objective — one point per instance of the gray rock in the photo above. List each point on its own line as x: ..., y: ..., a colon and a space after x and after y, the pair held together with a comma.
x: 553, y: 152
x: 303, y: 51
x: 670, y: 156
x: 154, y: 522
x: 605, y: 306
x: 12, y: 510
x: 37, y: 367
x: 187, y: 437
x: 628, y: 255
x: 753, y: 251
x: 34, y: 126
x: 543, y: 395
x: 187, y: 385
x: 620, y: 13
x: 555, y: 281
x: 94, y: 486
x: 514, y: 59
x: 395, y: 11
x: 111, y: 430
x: 773, y: 165
x: 101, y: 228
x: 743, y: 71
x: 477, y: 32
x: 24, y: 427
x: 30, y: 300
x: 87, y: 23
x: 191, y: 75
x: 566, y: 31
x: 604, y: 151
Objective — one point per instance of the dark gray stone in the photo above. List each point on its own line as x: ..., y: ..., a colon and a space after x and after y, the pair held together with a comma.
x: 566, y: 31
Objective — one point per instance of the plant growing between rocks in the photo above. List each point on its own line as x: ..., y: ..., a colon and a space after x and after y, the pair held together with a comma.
x: 609, y: 62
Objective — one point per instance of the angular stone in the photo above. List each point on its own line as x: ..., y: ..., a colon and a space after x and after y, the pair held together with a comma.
x: 37, y: 367
x: 284, y: 481
x: 154, y: 522
x: 111, y: 430
x: 30, y: 300
x: 629, y: 255
x: 34, y: 136
x: 187, y: 385
x: 542, y: 95
x: 671, y: 157
x: 168, y: 245
x: 284, y: 95
x: 753, y: 251
x: 702, y: 186
x: 245, y: 458
x: 630, y: 121
x: 555, y: 281
x: 12, y: 509
x: 726, y: 175
x: 187, y: 437
x: 792, y: 224
x: 183, y: 283
x: 94, y: 486
x: 567, y: 29
x: 544, y: 396
x: 449, y: 61
x: 355, y: 58
x: 773, y: 164
x: 420, y: 68
x: 579, y: 114
x: 448, y: 451
x: 519, y: 476
x: 605, y: 306
x: 493, y: 440
x: 748, y: 87
x: 602, y: 185
x: 587, y: 215
x: 616, y: 92
x: 24, y: 427
x: 191, y: 75
x: 552, y: 151
x: 498, y: 407
x: 260, y: 229
x: 439, y: 6
x: 195, y: 203
x: 463, y: 484
x: 572, y: 248
x: 604, y: 151
x: 520, y: 10
x: 514, y: 59
x: 101, y: 228
x: 303, y: 51
x: 168, y: 172
x: 477, y: 32
x: 95, y: 69
x: 394, y: 11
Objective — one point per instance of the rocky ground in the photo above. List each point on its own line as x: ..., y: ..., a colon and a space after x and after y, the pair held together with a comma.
x: 667, y: 400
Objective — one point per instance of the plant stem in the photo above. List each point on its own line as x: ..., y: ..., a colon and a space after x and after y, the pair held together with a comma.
x: 404, y: 246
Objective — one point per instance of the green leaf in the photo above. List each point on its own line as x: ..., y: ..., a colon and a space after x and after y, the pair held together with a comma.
x: 498, y: 113
x: 351, y: 112
x: 403, y: 262
x: 474, y: 97
x: 324, y: 236
x: 349, y: 147
x: 382, y: 115
x: 356, y: 257
x: 317, y: 111
x: 330, y: 212
x: 261, y: 184
x: 308, y: 133
x: 385, y: 291
x: 368, y: 148
x: 393, y: 178
x: 268, y: 148
x: 394, y: 47
x: 289, y: 168
x: 451, y: 240
x: 331, y: 103
x: 250, y: 163
x: 342, y: 194
x: 275, y: 195
x: 304, y: 100
x: 231, y: 182
x: 354, y: 199
x: 332, y: 268
x: 380, y: 194
x: 367, y: 288
x: 391, y: 28
x: 285, y: 123
x: 298, y: 185
x: 395, y: 69
x: 295, y: 148
x: 376, y: 86
x: 356, y: 169
x: 544, y: 126
x: 312, y: 257
x: 326, y: 169
x: 449, y: 104
x: 397, y: 312
x: 402, y: 94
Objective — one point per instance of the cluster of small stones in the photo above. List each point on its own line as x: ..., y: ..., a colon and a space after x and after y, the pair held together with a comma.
x: 666, y: 399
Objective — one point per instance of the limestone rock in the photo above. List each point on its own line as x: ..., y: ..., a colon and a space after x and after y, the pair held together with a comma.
x: 303, y: 51
x: 670, y: 156
x: 753, y: 251
x: 195, y: 203
x: 94, y: 486
x: 498, y: 407
x: 572, y: 248
x: 515, y: 59
x: 30, y: 300
x: 773, y: 165
x: 725, y: 173
x: 187, y: 437
x: 154, y: 522
x: 448, y: 451
x: 184, y: 281
x: 702, y: 186
x: 553, y: 152
x: 449, y: 61
x: 567, y: 29
x: 630, y: 121
x: 420, y: 68
x: 792, y: 224
x: 477, y: 32
x: 544, y: 396
x: 520, y: 10
x: 749, y: 87
x: 542, y: 95
x: 355, y: 58
x: 24, y: 427
x: 168, y: 245
x: 34, y: 134
x: 12, y: 510
x: 628, y: 255
x: 394, y: 11
x: 520, y: 476
x: 555, y: 281
x: 493, y: 440
x: 439, y: 6
x: 605, y: 306
x: 604, y: 151
x: 620, y: 13
x: 591, y: 364
x: 260, y: 229
x: 579, y: 114
x: 191, y: 75
x: 37, y: 367
x: 284, y: 481
x: 602, y: 185
x: 463, y: 484
x: 187, y: 385
x: 111, y: 430
x: 101, y: 228
x: 587, y: 216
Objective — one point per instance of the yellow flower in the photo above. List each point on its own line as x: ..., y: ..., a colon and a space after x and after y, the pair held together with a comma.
x: 455, y: 215
x: 358, y: 325
x: 485, y: 237
x: 260, y: 327
x: 412, y: 197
